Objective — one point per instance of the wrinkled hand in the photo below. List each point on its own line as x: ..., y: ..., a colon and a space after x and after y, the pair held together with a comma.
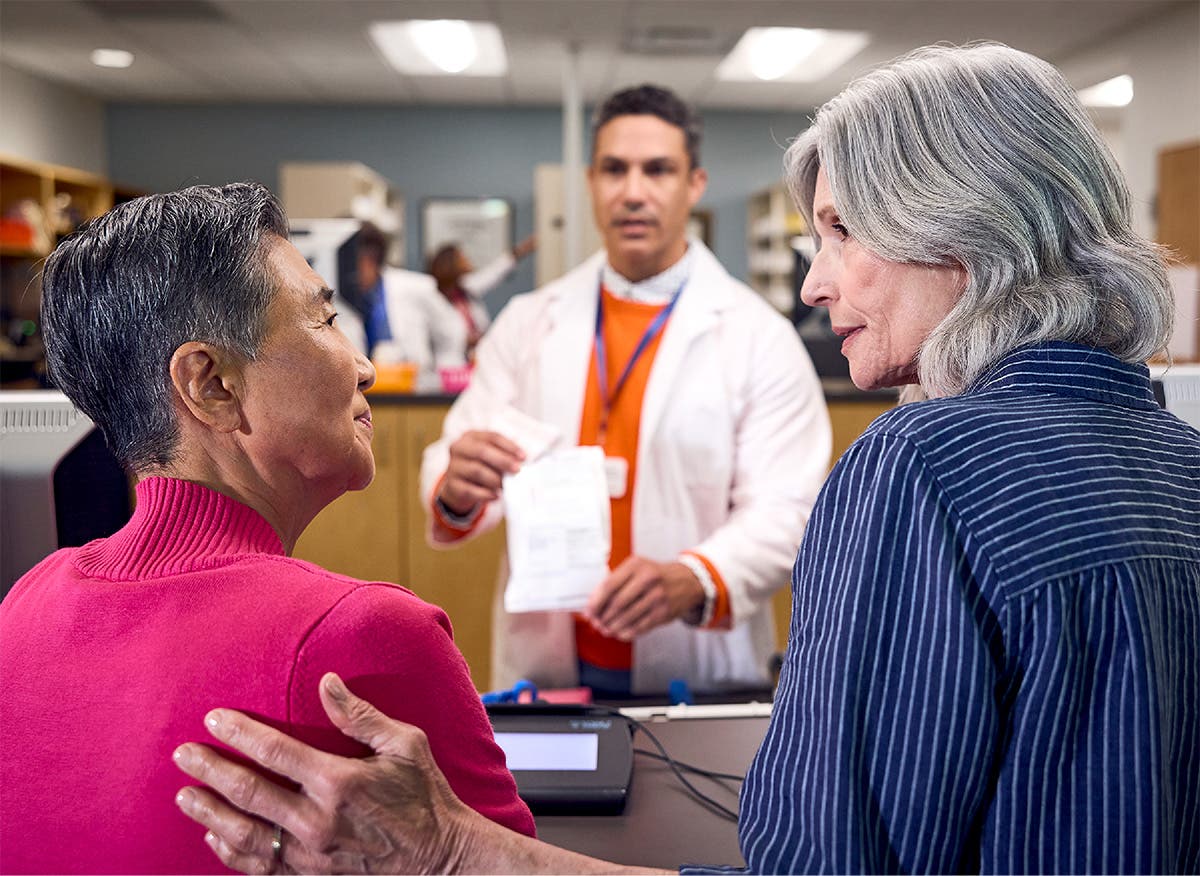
x: 641, y: 594
x: 478, y: 462
x: 393, y: 812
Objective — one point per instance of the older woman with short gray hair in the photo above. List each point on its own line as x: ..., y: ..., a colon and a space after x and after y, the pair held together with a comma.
x: 205, y: 348
x: 994, y: 657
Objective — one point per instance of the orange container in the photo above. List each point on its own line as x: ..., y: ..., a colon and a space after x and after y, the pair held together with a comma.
x: 395, y: 377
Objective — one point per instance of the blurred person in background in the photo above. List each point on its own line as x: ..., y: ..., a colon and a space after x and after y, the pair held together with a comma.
x: 404, y: 317
x: 466, y: 287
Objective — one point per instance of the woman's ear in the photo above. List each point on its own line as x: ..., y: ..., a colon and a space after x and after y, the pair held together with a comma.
x: 207, y: 381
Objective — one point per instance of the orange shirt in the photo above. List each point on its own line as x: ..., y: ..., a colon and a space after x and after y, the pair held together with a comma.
x: 624, y: 324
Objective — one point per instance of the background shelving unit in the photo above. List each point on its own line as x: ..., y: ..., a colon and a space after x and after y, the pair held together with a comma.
x: 39, y: 203
x: 772, y: 223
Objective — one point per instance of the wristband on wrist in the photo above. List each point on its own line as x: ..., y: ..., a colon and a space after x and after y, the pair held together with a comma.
x: 697, y: 568
x: 452, y: 520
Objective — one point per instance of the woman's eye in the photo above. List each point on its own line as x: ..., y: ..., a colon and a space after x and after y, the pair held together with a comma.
x: 840, y: 229
x: 329, y: 322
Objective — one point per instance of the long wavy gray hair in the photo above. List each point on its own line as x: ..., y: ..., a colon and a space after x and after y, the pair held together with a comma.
x: 982, y: 156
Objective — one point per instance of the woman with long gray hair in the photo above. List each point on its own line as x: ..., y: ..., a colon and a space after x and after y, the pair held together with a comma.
x: 994, y: 656
x: 983, y: 159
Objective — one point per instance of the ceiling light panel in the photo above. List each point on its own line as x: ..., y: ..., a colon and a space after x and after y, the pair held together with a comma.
x: 441, y: 47
x: 789, y: 54
x: 1117, y: 91
x: 116, y: 58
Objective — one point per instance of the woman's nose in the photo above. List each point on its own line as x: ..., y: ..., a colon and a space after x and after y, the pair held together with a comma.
x: 819, y: 289
x: 366, y: 372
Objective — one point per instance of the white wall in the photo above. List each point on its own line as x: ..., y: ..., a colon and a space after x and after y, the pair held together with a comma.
x: 46, y: 122
x: 1112, y: 129
x: 1163, y: 57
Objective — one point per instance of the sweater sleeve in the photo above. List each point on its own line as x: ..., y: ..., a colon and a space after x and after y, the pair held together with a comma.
x: 398, y: 653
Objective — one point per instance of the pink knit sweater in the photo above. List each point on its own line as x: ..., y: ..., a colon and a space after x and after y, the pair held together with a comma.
x: 112, y: 653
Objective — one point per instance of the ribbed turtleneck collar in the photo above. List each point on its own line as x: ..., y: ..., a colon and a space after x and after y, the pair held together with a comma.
x: 178, y: 526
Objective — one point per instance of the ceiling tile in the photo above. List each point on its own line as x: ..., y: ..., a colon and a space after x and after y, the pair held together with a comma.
x: 317, y: 51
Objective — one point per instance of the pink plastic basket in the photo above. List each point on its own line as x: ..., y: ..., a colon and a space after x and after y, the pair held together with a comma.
x: 455, y: 379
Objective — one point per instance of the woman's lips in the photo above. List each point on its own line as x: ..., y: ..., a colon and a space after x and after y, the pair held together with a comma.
x: 847, y: 335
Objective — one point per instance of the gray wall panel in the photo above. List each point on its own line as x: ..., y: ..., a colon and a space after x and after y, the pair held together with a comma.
x: 425, y: 152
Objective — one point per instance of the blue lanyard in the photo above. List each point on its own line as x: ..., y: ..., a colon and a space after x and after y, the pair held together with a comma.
x: 649, y: 335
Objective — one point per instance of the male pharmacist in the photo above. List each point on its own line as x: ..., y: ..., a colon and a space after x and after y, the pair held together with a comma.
x: 707, y: 408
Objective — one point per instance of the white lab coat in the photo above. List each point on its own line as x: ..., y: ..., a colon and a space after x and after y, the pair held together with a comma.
x: 480, y: 282
x: 426, y: 329
x: 734, y: 445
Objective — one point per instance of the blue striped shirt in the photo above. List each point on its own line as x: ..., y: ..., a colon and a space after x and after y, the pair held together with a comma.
x: 994, y: 657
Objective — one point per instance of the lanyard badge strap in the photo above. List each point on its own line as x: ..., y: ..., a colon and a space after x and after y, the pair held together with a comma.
x: 652, y: 331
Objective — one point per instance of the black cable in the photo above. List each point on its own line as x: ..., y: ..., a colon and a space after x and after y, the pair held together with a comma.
x: 691, y: 768
x: 715, y: 806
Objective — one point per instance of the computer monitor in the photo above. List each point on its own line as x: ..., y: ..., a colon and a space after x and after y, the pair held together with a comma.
x: 60, y: 485
x: 1178, y: 390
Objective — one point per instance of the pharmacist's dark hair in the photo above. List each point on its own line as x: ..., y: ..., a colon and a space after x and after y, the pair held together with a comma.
x: 981, y: 156
x: 651, y: 100
x: 121, y: 294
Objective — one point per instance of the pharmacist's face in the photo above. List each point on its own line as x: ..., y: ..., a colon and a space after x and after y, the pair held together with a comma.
x: 307, y: 421
x: 885, y: 310
x: 643, y: 188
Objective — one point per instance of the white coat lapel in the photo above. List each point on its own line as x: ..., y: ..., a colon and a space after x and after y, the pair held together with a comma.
x: 567, y: 348
x: 697, y: 312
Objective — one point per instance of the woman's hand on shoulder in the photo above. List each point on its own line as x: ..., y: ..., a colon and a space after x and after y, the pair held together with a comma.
x: 393, y: 812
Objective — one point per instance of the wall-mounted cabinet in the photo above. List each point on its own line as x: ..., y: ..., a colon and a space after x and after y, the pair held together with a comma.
x: 39, y: 204
x: 772, y: 224
x: 343, y: 190
x: 1178, y: 204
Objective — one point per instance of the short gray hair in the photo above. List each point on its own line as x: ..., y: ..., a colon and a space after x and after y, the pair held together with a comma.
x: 125, y: 291
x: 981, y: 156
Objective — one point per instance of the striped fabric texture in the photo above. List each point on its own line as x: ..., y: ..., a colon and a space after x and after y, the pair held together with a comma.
x: 994, y: 657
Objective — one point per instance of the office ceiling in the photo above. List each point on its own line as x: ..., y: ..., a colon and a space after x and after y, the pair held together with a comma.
x: 318, y: 51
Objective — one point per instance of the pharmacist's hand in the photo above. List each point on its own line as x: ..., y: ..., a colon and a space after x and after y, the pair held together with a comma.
x: 478, y: 462
x: 640, y: 594
x: 390, y: 813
